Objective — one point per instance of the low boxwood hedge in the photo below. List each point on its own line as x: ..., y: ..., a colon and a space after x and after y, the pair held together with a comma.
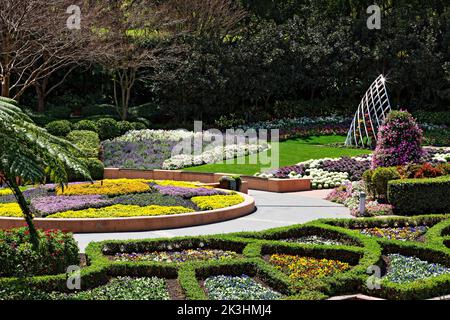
x: 361, y: 252
x: 420, y: 196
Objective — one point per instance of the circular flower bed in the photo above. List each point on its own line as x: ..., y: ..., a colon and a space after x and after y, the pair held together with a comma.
x: 402, y: 269
x: 297, y: 267
x: 178, y: 256
x: 238, y: 288
x: 120, y: 198
x: 402, y: 234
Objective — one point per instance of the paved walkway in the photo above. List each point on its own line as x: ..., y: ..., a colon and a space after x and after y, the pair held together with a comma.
x: 274, y: 210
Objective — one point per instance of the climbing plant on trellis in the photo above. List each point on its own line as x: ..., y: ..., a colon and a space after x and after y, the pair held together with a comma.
x: 372, y: 110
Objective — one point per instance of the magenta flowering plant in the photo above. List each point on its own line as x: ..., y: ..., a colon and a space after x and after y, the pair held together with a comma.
x: 399, y: 141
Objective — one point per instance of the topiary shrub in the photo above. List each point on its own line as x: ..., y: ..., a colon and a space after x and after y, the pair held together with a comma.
x: 380, y: 179
x: 138, y: 126
x: 367, y: 178
x: 87, y: 141
x: 56, y: 251
x: 399, y: 141
x: 60, y: 128
x: 86, y: 125
x: 420, y: 196
x: 125, y: 126
x: 95, y: 168
x: 107, y: 128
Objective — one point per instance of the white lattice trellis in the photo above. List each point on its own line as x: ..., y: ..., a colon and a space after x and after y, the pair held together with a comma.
x: 370, y: 115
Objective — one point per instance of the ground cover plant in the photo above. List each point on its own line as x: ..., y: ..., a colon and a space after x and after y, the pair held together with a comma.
x: 118, y: 198
x: 178, y: 256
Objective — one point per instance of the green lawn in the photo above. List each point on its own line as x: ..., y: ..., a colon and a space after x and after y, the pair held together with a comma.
x: 291, y: 152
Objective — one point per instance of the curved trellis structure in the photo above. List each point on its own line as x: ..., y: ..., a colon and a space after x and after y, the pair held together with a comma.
x: 370, y: 115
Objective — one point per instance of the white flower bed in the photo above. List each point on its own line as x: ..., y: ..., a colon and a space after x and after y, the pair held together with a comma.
x: 216, y: 154
x: 321, y: 179
x: 441, y: 157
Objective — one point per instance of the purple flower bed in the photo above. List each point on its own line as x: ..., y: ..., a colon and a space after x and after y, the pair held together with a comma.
x: 145, y: 155
x: 354, y: 168
x: 53, y: 204
x: 187, y: 192
x: 283, y: 173
x: 29, y: 194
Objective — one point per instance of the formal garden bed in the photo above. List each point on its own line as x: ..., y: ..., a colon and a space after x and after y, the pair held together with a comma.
x: 149, y: 200
x: 259, y: 265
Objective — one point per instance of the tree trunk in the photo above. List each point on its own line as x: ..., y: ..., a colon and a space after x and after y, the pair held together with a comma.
x: 34, y: 237
x: 40, y: 98
x: 5, y: 86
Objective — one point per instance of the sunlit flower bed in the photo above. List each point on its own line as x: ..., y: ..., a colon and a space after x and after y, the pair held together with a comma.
x: 238, y: 288
x: 177, y: 256
x: 118, y: 198
x: 402, y: 234
x: 402, y: 269
x: 297, y: 267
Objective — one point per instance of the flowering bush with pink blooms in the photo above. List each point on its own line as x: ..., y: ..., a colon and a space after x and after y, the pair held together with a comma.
x: 399, y: 141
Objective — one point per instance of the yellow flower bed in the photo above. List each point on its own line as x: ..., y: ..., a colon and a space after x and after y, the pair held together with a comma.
x: 217, y: 201
x: 182, y: 184
x: 5, y: 192
x: 297, y: 267
x: 121, y: 211
x: 106, y: 187
x: 10, y: 210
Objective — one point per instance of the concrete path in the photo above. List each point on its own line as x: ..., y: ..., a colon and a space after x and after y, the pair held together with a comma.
x: 273, y: 210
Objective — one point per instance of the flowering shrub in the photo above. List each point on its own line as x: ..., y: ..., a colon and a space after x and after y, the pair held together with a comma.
x: 428, y: 171
x: 28, y: 193
x: 403, y: 269
x: 158, y: 199
x: 399, y: 141
x: 238, y: 288
x: 10, y: 210
x: 56, y: 251
x: 217, y: 201
x: 178, y: 256
x: 355, y: 168
x: 120, y: 210
x: 297, y: 267
x: 106, y: 187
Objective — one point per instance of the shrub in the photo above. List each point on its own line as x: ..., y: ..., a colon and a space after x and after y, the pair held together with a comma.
x: 420, y: 196
x: 57, y: 251
x: 59, y: 128
x: 367, y: 178
x: 380, y: 178
x: 428, y: 171
x: 95, y: 167
x: 86, y: 125
x: 124, y: 126
x: 138, y: 126
x: 107, y: 128
x: 87, y: 141
x: 399, y: 141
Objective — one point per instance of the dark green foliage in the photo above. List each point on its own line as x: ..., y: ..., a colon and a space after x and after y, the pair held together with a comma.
x: 124, y: 126
x: 420, y: 196
x: 60, y: 128
x: 108, y: 128
x: 380, y: 179
x: 87, y: 141
x: 86, y: 125
x: 95, y: 167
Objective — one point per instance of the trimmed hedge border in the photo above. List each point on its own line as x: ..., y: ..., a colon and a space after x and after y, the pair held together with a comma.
x: 419, y: 196
x: 359, y: 250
